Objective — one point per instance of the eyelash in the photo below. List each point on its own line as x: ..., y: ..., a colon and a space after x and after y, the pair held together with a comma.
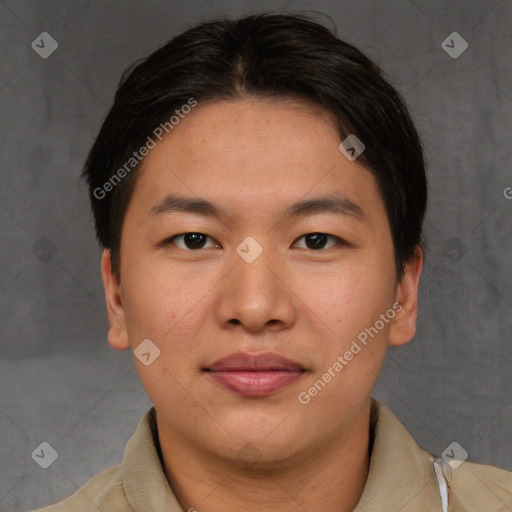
x: 339, y: 241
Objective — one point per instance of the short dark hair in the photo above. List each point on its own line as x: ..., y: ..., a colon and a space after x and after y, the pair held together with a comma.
x: 262, y: 56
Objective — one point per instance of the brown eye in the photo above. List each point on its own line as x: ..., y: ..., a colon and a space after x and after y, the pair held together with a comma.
x: 318, y: 241
x: 191, y: 241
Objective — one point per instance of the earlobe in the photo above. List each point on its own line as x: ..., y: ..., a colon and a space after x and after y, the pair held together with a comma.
x: 117, y: 334
x: 403, y: 326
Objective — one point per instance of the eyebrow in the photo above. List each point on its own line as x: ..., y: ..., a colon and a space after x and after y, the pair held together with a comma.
x: 326, y: 204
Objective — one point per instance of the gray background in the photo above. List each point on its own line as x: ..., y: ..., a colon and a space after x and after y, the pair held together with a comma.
x: 62, y: 383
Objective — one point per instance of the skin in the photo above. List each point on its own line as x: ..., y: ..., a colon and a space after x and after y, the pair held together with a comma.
x: 255, y: 158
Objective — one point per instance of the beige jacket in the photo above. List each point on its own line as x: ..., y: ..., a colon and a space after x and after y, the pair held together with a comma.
x: 402, y: 478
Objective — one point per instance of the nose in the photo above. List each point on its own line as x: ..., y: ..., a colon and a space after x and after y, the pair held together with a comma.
x: 257, y: 295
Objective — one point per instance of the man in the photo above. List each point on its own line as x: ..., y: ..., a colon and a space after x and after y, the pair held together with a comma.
x: 259, y: 191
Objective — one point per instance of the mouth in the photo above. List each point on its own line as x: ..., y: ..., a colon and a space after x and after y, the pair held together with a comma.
x: 254, y: 375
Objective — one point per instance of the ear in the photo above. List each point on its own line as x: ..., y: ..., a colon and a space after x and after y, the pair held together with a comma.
x: 403, y: 326
x: 117, y: 335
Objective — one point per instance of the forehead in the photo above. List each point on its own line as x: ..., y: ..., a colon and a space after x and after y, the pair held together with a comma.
x: 252, y: 152
x: 234, y: 128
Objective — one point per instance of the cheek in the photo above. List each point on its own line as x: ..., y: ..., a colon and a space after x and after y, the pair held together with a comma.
x: 351, y: 347
x: 166, y: 309
x: 350, y: 300
x: 166, y: 306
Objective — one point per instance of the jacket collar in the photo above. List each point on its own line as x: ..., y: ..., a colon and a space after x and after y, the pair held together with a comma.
x: 401, y: 476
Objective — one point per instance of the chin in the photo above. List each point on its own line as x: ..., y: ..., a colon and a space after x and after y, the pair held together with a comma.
x: 265, y: 455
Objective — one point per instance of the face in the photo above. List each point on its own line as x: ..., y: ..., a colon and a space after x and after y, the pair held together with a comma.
x: 250, y: 233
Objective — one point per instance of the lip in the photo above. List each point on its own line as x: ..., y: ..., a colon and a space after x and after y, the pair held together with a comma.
x: 254, y: 374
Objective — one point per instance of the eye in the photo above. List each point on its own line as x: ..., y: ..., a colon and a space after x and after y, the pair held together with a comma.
x: 317, y: 241
x: 191, y: 241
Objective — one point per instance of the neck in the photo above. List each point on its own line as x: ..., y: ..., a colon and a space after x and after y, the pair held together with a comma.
x: 333, y: 476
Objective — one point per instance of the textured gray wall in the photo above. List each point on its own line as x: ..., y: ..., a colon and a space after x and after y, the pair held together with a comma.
x: 59, y: 380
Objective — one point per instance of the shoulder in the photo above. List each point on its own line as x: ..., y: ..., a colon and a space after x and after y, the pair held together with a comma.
x: 405, y: 474
x: 104, y: 491
x: 476, y: 487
